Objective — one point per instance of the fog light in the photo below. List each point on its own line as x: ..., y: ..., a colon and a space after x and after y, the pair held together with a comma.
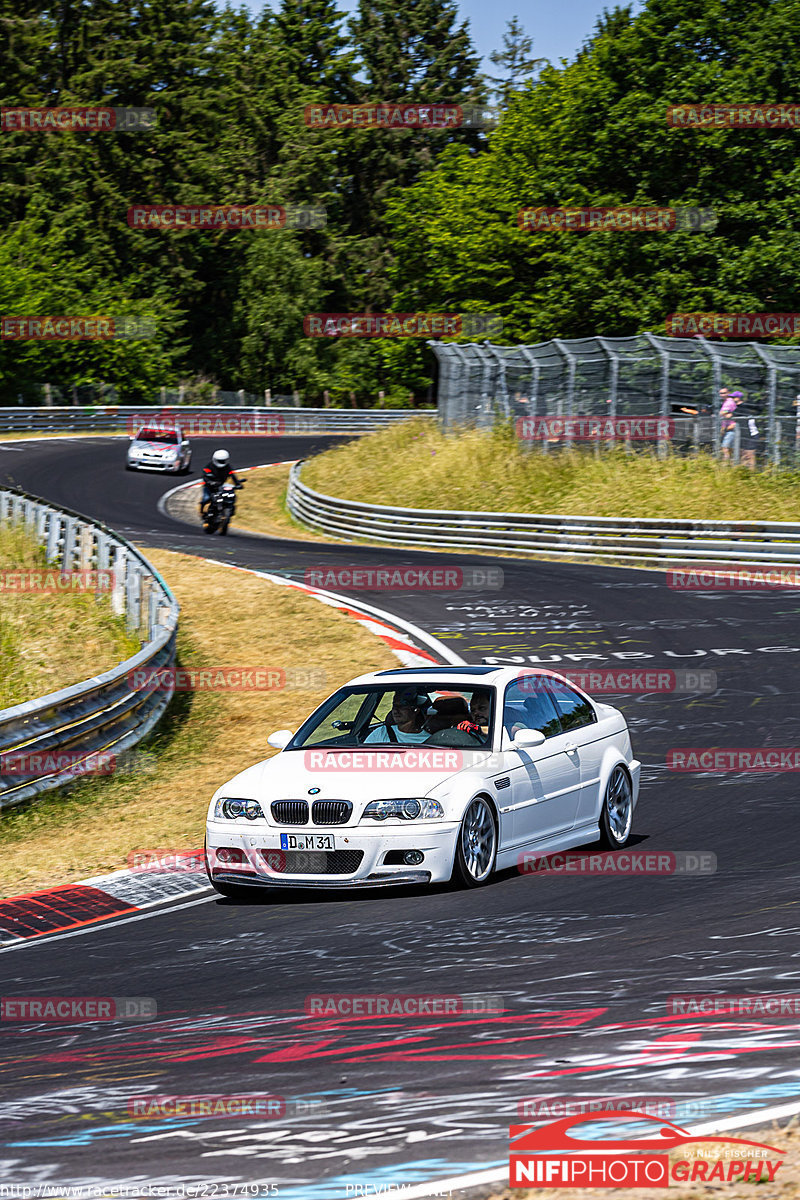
x: 412, y: 858
x: 229, y: 855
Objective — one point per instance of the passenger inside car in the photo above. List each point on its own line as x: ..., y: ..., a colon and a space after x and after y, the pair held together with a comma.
x: 449, y: 723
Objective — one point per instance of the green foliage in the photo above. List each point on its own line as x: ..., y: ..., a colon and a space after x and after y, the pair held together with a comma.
x: 594, y: 132
x: 416, y: 219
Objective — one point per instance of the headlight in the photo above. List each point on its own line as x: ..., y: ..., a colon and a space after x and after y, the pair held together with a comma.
x: 232, y: 809
x: 135, y: 452
x: 406, y: 810
x: 171, y: 453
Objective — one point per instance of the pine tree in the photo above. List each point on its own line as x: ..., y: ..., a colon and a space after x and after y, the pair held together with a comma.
x: 414, y: 51
x: 514, y: 60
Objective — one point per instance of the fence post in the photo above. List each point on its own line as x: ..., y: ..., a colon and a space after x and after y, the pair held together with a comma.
x: 571, y: 372
x: 716, y: 383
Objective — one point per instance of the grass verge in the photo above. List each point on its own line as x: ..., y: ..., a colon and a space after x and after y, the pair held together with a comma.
x: 50, y: 641
x: 261, y: 506
x: 227, y: 619
x: 417, y: 465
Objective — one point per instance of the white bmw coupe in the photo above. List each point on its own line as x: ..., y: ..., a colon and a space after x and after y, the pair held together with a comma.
x: 423, y: 776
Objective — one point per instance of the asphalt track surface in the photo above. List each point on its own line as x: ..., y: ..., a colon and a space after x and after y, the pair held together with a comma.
x: 584, y: 964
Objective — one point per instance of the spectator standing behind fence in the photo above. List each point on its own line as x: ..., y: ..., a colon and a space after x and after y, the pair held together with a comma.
x: 750, y: 425
x: 730, y: 402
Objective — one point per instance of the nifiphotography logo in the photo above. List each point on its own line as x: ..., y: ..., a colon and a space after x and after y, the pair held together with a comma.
x: 550, y: 1156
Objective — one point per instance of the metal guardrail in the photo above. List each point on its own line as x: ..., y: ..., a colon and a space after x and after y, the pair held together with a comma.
x: 643, y: 539
x: 222, y: 421
x: 106, y: 714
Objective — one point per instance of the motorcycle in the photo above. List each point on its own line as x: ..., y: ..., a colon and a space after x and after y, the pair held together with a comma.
x: 221, y: 508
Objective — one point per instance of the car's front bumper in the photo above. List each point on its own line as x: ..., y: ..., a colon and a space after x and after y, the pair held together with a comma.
x: 161, y: 464
x: 435, y: 840
x: 404, y: 876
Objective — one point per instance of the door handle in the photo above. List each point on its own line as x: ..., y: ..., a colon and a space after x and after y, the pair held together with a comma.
x: 571, y: 748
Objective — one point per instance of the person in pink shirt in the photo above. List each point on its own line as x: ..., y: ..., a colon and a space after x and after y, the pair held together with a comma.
x: 730, y: 402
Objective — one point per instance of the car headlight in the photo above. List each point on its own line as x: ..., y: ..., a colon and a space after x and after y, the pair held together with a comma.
x: 171, y: 453
x: 231, y: 808
x: 406, y: 810
x: 135, y: 452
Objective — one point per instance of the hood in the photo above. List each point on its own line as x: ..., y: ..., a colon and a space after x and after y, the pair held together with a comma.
x: 154, y: 445
x: 359, y: 775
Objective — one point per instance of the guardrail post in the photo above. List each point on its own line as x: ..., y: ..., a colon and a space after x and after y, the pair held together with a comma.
x: 85, y: 548
x: 41, y: 522
x: 118, y: 588
x: 133, y: 594
x: 152, y: 610
x: 53, y: 534
x: 68, y: 547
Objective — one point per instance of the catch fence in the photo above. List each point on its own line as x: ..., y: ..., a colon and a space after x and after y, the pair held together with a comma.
x: 646, y: 375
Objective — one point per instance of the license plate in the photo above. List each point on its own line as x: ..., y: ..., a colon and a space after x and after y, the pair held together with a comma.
x: 308, y: 841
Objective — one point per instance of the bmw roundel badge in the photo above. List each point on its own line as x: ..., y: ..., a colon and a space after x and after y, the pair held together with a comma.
x: 313, y: 791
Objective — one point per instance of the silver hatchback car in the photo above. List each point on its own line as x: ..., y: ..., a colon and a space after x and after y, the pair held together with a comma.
x: 159, y: 449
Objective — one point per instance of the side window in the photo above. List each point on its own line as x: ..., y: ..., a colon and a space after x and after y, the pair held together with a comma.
x: 530, y: 707
x: 573, y: 709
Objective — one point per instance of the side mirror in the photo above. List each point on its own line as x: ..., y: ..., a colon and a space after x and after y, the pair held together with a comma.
x: 281, y: 738
x: 527, y: 739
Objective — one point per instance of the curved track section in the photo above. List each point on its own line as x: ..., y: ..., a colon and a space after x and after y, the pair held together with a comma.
x: 585, y: 964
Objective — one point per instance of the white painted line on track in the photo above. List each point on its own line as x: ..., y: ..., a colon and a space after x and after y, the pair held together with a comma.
x: 97, y: 926
x: 334, y: 599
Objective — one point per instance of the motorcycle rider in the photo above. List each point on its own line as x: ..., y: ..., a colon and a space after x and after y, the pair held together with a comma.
x: 215, y: 473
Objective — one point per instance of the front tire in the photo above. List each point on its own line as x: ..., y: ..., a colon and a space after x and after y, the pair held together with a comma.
x: 476, y: 847
x: 616, y: 816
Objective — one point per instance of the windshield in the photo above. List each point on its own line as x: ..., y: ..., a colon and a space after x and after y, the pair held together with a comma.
x: 170, y: 436
x: 414, y: 714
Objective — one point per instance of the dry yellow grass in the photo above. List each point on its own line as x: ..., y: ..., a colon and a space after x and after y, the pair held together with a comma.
x: 416, y: 465
x: 261, y: 506
x: 227, y: 618
x: 785, y: 1186
x: 50, y: 641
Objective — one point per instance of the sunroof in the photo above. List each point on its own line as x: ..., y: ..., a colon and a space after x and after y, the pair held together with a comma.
x: 477, y: 670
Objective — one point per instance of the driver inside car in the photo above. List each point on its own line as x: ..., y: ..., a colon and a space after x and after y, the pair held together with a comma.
x: 480, y: 708
x: 404, y: 724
